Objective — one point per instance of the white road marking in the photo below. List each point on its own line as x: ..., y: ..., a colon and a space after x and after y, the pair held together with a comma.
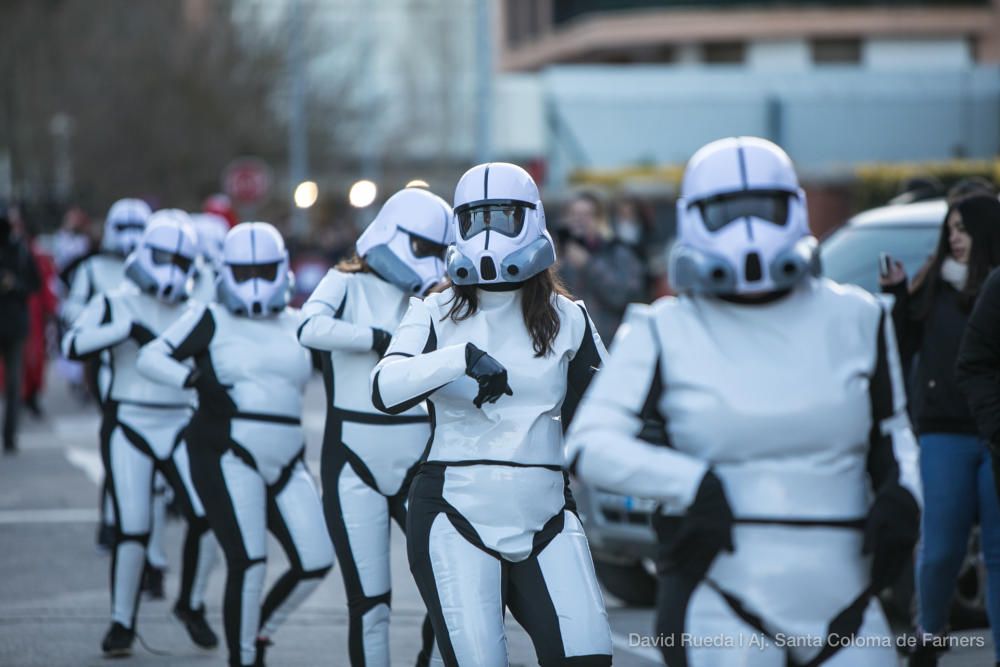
x: 68, y: 515
x: 89, y: 461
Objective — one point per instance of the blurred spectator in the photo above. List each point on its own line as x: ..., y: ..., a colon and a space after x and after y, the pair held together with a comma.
x: 596, y: 266
x: 221, y: 205
x: 42, y: 308
x: 930, y: 318
x: 328, y: 244
x: 971, y: 186
x: 919, y: 188
x: 633, y: 225
x: 73, y: 242
x: 18, y: 279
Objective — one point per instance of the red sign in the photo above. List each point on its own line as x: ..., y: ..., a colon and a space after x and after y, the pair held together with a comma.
x: 247, y: 180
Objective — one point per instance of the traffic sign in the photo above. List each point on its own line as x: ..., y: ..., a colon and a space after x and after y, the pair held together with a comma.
x: 247, y: 180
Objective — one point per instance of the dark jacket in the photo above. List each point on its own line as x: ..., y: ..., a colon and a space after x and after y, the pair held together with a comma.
x: 937, y: 403
x: 613, y: 278
x: 16, y: 261
x: 978, y: 368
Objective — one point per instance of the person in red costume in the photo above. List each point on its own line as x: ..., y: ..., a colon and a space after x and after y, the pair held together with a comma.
x: 221, y: 205
x: 42, y: 307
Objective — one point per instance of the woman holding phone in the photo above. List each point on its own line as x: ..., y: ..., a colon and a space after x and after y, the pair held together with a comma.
x: 930, y: 316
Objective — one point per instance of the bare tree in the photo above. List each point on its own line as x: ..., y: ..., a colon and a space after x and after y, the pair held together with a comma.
x: 161, y: 94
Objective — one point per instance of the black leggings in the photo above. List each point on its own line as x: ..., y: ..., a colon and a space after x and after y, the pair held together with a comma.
x: 553, y: 593
x: 131, y: 466
x: 242, y: 507
x: 357, y: 516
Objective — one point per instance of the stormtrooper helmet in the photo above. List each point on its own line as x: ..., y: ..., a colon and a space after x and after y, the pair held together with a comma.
x: 742, y: 225
x: 407, y: 241
x: 124, y: 225
x: 211, y: 229
x: 500, y: 234
x: 162, y: 263
x: 254, y: 280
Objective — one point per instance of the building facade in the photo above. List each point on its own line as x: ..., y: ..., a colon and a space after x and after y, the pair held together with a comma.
x: 644, y: 82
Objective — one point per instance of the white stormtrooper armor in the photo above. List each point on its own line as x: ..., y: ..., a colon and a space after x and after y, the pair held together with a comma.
x: 142, y: 432
x: 741, y: 221
x: 369, y: 457
x: 100, y: 273
x: 124, y: 225
x: 405, y: 244
x: 247, y: 440
x: 254, y: 280
x: 205, y: 285
x: 211, y: 230
x: 97, y: 274
x: 163, y: 262
x: 490, y: 506
x: 501, y: 235
x: 795, y: 403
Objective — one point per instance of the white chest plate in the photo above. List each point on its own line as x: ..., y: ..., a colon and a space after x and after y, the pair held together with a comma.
x: 776, y: 396
x: 261, y: 360
x: 126, y: 384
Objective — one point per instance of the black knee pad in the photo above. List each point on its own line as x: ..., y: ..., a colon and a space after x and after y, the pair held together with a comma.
x: 141, y: 538
x: 360, y: 605
x: 243, y: 564
x: 314, y: 574
x: 199, y: 525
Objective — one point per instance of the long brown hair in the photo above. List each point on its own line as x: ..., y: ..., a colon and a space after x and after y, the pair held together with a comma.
x: 981, y: 219
x: 538, y: 307
x: 353, y: 264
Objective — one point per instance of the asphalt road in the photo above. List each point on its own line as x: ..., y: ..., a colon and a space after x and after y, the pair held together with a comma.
x: 54, y: 605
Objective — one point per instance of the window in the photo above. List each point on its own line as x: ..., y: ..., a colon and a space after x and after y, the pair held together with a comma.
x: 836, y: 51
x: 723, y: 53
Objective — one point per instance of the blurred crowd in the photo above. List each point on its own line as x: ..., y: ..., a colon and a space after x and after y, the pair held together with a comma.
x: 611, y: 252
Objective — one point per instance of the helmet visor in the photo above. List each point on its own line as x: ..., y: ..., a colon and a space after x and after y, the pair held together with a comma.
x: 422, y: 247
x: 129, y: 226
x: 719, y: 211
x: 501, y: 216
x: 245, y: 272
x: 163, y: 257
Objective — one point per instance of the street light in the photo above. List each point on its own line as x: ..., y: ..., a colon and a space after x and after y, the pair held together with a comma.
x: 362, y: 193
x: 306, y: 194
x: 418, y: 183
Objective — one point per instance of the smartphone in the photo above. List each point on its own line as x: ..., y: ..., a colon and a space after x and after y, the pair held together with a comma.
x: 884, y: 264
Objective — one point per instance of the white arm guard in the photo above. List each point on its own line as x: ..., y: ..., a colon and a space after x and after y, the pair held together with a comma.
x: 603, y: 447
x: 413, y: 367
x: 161, y: 360
x: 322, y: 328
x: 98, y: 327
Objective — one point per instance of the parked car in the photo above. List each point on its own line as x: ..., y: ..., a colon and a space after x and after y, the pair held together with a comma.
x: 618, y: 526
x: 907, y: 232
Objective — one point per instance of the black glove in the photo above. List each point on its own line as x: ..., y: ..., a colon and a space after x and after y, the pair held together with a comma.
x: 891, y: 533
x: 705, y: 530
x: 380, y: 341
x: 141, y: 334
x: 487, y: 371
x: 212, y: 395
